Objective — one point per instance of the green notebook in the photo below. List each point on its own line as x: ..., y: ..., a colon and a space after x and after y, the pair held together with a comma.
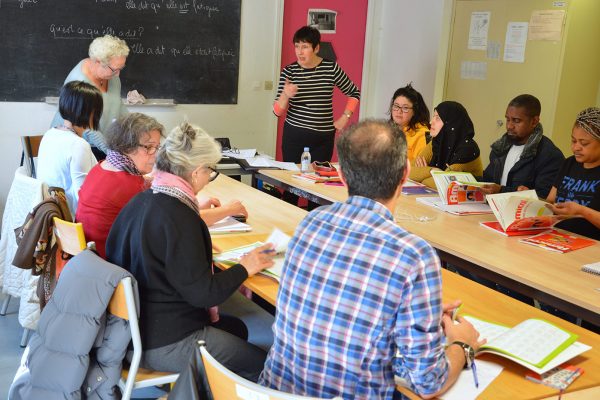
x: 534, y: 343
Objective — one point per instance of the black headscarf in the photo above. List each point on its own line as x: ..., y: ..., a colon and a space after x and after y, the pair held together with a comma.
x: 454, y: 144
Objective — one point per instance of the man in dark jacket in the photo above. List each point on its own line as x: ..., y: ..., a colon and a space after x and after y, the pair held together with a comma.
x: 523, y: 158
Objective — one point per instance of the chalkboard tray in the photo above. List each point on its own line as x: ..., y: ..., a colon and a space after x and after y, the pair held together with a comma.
x: 185, y: 50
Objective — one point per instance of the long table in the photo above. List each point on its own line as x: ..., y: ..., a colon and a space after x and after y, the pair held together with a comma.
x: 552, y: 278
x: 266, y: 212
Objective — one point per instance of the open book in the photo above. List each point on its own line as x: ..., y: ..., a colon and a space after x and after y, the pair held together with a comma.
x: 228, y: 225
x: 279, y: 240
x: 458, y: 187
x: 534, y: 343
x: 520, y: 212
x: 456, y: 209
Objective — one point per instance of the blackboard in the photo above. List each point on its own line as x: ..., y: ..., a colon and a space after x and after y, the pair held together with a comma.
x: 186, y: 50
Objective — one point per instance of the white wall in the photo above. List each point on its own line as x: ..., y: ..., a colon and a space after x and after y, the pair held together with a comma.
x: 249, y: 124
x: 403, y: 37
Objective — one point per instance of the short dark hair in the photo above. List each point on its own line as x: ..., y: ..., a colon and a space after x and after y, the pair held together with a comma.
x: 307, y: 34
x: 78, y: 102
x: 372, y: 156
x: 124, y: 134
x: 420, y: 110
x: 530, y: 103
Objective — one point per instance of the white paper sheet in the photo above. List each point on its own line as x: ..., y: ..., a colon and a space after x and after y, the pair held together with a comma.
x: 478, y: 32
x: 514, y: 45
x: 464, y: 388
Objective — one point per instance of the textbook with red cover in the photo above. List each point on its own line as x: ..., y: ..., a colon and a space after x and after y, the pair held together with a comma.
x: 496, y: 227
x: 558, y: 241
x: 456, y: 187
x: 521, y: 211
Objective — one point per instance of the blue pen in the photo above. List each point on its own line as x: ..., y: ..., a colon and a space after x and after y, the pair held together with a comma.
x: 267, y: 251
x: 474, y: 368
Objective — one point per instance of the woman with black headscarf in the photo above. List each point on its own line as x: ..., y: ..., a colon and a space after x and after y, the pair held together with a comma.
x: 452, y: 147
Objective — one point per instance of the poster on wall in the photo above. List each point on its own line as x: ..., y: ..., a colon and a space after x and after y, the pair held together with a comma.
x: 478, y: 32
x: 546, y: 25
x: 516, y: 38
x: 322, y: 19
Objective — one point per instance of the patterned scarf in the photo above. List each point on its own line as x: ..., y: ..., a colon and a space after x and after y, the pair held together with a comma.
x: 122, y: 162
x: 174, y: 186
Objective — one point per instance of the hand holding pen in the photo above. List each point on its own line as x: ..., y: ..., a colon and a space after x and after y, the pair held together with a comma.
x: 258, y: 259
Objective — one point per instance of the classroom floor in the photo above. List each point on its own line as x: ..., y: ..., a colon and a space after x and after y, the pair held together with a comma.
x: 258, y: 321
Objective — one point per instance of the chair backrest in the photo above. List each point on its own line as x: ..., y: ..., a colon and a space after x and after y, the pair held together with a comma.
x: 31, y: 146
x: 226, y: 385
x: 122, y: 304
x: 70, y: 236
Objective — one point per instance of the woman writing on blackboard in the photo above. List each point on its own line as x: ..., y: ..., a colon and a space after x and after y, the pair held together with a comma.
x: 306, y: 92
x: 107, y: 56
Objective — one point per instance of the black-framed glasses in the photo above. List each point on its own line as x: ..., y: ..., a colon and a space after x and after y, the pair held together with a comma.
x: 150, y: 148
x: 114, y: 71
x: 213, y: 173
x: 404, y: 109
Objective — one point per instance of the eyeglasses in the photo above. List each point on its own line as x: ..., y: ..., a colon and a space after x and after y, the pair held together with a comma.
x: 150, y: 148
x: 213, y: 173
x: 404, y: 109
x: 114, y: 71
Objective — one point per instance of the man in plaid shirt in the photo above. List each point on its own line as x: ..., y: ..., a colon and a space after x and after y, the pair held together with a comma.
x: 360, y: 297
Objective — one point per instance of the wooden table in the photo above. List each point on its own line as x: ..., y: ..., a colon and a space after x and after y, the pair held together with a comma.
x: 487, y: 304
x: 263, y: 212
x: 477, y: 300
x: 550, y: 277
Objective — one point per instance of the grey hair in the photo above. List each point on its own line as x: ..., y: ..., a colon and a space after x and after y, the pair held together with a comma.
x: 186, y: 148
x: 124, y: 134
x: 105, y: 47
x: 589, y: 121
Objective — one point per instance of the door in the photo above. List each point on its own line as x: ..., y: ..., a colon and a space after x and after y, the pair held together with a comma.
x: 486, y: 99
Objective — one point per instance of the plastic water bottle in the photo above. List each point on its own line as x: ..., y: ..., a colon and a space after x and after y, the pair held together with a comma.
x: 305, y: 160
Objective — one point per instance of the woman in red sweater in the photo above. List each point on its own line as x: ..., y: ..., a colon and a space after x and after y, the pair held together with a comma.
x: 132, y: 142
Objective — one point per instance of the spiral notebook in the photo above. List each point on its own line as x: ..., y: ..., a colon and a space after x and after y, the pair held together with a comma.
x: 593, y: 268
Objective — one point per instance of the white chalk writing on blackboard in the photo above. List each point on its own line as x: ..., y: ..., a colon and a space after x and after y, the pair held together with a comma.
x: 80, y: 32
x: 181, y: 6
x: 22, y: 2
x: 214, y: 52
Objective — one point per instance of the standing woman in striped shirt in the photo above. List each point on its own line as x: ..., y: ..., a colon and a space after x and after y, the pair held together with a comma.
x: 306, y: 92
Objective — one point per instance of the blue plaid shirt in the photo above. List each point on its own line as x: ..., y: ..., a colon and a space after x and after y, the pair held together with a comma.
x: 359, y: 302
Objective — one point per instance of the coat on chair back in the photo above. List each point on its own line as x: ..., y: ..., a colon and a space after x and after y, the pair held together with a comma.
x: 78, y: 348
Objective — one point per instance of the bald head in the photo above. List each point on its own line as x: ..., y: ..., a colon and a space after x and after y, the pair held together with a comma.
x: 372, y: 157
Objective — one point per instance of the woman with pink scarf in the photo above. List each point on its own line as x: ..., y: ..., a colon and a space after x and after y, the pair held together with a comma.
x: 161, y: 239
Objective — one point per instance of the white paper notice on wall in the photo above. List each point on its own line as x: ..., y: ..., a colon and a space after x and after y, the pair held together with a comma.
x: 473, y: 70
x: 478, y: 32
x: 546, y: 25
x: 493, y: 50
x: 514, y: 44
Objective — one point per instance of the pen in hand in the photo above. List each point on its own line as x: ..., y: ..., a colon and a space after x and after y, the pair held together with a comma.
x: 474, y: 369
x: 267, y: 251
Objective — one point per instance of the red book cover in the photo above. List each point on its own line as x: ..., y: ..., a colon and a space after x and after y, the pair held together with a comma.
x: 558, y: 241
x: 496, y: 227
